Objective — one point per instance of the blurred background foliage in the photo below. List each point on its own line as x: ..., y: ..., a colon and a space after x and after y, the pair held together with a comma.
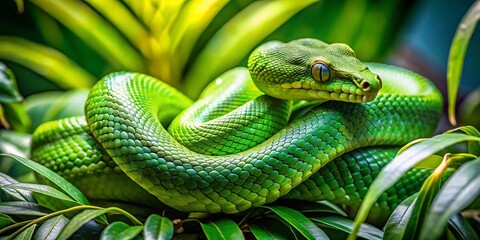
x: 56, y: 50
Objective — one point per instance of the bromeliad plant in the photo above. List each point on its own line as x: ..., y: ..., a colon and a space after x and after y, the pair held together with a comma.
x: 160, y: 39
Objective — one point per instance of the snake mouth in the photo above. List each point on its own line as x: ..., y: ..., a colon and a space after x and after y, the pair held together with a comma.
x: 314, y: 91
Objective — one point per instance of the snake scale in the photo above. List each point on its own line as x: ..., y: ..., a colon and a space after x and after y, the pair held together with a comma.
x: 231, y: 151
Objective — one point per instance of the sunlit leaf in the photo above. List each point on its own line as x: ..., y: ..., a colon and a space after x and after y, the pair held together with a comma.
x: 393, y: 171
x: 120, y: 231
x: 299, y: 221
x: 457, y: 193
x: 346, y: 225
x: 63, y: 184
x: 128, y: 25
x: 50, y: 229
x: 8, y: 86
x: 238, y: 37
x: 95, y: 31
x: 17, y: 117
x: 27, y: 233
x: 473, y: 147
x: 223, y: 228
x: 158, y: 227
x: 457, y: 54
x: 45, y: 61
x: 22, y: 208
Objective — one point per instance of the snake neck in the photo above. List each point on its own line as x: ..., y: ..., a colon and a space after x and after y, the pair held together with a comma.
x: 122, y: 112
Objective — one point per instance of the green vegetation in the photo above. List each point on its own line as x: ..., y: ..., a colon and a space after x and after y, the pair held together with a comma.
x: 187, y: 44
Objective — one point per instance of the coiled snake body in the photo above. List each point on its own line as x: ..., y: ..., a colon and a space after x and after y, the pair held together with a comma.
x: 236, y: 161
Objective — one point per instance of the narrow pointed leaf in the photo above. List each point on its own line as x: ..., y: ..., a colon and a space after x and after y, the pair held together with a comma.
x: 346, y: 225
x: 457, y: 54
x: 457, y: 193
x: 223, y: 228
x: 50, y: 229
x: 8, y: 86
x: 14, y: 194
x: 95, y: 31
x: 270, y: 228
x: 45, y: 61
x: 238, y: 37
x: 27, y: 233
x: 320, y: 207
x: 125, y: 21
x: 461, y: 229
x: 44, y: 190
x: 5, y: 220
x: 473, y: 147
x: 158, y: 227
x: 299, y: 221
x: 393, y: 171
x: 397, y: 223
x: 120, y: 231
x: 23, y: 208
x: 63, y: 184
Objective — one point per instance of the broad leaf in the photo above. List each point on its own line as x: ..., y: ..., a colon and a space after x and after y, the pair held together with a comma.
x: 23, y: 208
x: 50, y: 229
x: 158, y: 227
x: 299, y: 221
x: 120, y: 231
x: 63, y: 184
x: 223, y: 228
x: 457, y: 193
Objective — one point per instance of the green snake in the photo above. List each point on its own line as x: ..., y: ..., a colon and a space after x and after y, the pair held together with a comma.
x: 238, y: 148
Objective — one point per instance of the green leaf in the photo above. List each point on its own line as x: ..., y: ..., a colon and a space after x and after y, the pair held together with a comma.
x: 14, y: 194
x: 299, y: 221
x: 23, y: 208
x: 270, y: 228
x: 8, y: 86
x: 50, y: 229
x: 45, y: 61
x: 158, y: 227
x: 473, y: 147
x: 238, y: 37
x: 397, y: 223
x: 17, y: 117
x: 319, y: 207
x: 120, y: 231
x: 461, y: 229
x: 27, y: 233
x: 87, y: 215
x: 5, y: 220
x: 457, y: 54
x: 394, y: 170
x: 346, y: 225
x: 223, y: 228
x: 63, y: 184
x: 51, y: 193
x: 458, y: 192
x: 95, y: 31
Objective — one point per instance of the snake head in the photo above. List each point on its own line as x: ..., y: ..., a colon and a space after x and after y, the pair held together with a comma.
x: 309, y: 69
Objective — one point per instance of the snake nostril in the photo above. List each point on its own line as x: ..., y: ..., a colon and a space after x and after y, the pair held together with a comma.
x: 365, y: 85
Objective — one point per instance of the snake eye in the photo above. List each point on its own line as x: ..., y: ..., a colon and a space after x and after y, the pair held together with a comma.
x: 320, y: 72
